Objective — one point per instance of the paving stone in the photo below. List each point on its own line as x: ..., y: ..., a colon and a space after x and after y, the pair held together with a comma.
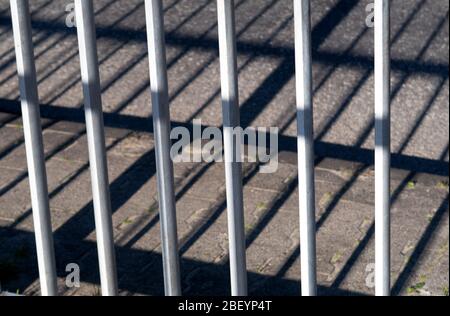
x: 58, y: 219
x: 16, y: 200
x: 77, y: 151
x: 256, y: 203
x: 73, y: 196
x: 211, y: 184
x: 265, y: 259
x: 276, y: 230
x: 52, y: 142
x: 68, y: 127
x: 343, y: 49
x: 273, y: 181
x: 326, y: 194
x: 11, y: 137
x: 211, y: 247
x: 7, y: 176
x: 6, y: 117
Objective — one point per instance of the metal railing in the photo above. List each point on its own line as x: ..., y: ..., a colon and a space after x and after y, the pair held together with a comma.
x: 233, y: 170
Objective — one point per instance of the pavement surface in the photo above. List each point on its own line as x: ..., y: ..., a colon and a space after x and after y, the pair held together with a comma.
x: 343, y: 118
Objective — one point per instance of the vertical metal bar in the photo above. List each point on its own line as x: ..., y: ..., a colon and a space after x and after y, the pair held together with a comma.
x: 96, y: 143
x: 34, y: 146
x: 382, y: 147
x: 161, y: 125
x: 233, y: 167
x: 305, y: 140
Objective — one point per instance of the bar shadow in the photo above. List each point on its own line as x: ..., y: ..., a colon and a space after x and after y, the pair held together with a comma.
x: 203, y: 277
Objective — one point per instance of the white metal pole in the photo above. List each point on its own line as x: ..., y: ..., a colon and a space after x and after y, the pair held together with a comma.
x: 161, y: 124
x: 34, y: 146
x: 305, y: 140
x: 233, y: 167
x: 382, y: 147
x: 96, y: 143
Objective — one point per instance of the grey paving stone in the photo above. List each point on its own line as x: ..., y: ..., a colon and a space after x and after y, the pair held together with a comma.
x: 211, y: 184
x: 343, y: 100
x: 77, y: 150
x: 273, y: 181
x: 53, y: 142
x: 7, y: 176
x: 11, y: 137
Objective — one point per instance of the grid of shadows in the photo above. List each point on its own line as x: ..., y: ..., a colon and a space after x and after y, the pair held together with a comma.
x: 71, y: 238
